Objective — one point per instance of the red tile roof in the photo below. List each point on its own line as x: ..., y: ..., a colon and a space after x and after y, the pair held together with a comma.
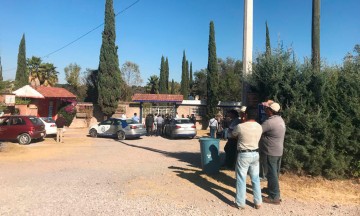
x: 157, y: 98
x: 54, y: 92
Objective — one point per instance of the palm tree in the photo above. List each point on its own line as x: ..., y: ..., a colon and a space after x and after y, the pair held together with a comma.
x: 152, y: 86
x: 41, y: 73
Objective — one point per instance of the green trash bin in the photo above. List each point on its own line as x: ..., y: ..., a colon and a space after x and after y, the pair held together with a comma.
x: 210, y: 158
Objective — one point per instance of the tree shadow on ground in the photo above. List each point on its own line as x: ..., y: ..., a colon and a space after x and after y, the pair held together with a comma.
x: 194, y: 174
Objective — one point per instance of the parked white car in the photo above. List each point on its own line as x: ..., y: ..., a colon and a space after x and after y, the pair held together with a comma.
x: 119, y: 128
x: 50, y: 126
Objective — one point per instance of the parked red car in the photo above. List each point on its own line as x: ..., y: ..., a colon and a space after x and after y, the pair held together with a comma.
x: 21, y: 128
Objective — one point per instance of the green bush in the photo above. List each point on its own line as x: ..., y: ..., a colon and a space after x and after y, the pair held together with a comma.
x: 321, y: 112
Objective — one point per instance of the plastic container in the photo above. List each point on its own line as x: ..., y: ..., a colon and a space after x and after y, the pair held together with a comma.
x: 210, y: 158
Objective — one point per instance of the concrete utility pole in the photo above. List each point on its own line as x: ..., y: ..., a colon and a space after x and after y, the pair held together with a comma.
x: 247, y: 46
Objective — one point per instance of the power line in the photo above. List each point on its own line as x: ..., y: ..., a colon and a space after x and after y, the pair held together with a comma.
x: 63, y: 47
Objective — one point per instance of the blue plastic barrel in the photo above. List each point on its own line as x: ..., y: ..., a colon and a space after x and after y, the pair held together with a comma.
x: 210, y: 158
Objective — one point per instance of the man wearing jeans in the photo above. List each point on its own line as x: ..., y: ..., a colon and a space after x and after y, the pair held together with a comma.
x: 271, y: 148
x: 248, y: 134
x: 60, y: 123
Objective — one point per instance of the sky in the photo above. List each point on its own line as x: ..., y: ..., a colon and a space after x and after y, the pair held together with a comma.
x: 153, y: 28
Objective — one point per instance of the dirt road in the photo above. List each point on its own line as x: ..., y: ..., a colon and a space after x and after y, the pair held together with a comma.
x: 148, y: 176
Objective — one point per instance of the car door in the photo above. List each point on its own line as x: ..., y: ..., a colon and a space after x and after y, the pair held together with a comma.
x: 104, y: 127
x: 115, y: 126
x: 4, y: 128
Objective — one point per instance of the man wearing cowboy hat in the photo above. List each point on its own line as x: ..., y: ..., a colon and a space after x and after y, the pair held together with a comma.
x: 271, y: 148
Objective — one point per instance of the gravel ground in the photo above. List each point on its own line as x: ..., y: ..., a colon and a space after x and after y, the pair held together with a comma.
x: 148, y: 176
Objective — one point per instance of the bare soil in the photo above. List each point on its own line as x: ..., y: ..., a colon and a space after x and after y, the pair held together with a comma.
x: 148, y: 176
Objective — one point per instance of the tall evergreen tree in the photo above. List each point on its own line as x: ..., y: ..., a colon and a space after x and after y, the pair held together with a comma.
x: 1, y: 76
x: 212, y: 76
x: 167, y: 70
x: 109, y: 76
x: 268, y: 46
x: 21, y: 77
x: 315, y: 36
x: 191, y: 75
x: 191, y: 79
x: 172, y: 86
x: 184, y: 78
x: 162, y: 81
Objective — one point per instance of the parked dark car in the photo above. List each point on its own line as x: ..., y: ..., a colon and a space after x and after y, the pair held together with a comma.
x: 21, y: 128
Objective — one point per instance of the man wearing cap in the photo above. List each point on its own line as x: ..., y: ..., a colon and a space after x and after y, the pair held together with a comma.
x: 271, y: 148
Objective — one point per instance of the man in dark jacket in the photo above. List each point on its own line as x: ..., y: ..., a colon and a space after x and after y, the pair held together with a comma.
x: 149, y: 121
x: 60, y: 123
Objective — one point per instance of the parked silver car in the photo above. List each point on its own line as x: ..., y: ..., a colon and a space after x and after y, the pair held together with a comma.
x: 119, y: 128
x: 180, y: 127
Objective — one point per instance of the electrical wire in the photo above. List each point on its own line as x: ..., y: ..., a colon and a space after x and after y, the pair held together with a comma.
x: 63, y: 47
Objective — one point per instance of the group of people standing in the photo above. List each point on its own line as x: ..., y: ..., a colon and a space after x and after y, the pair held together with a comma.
x: 155, y: 124
x: 255, y: 149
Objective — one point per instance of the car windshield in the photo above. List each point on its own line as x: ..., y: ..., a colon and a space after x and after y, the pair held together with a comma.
x: 35, y: 120
x: 131, y: 121
x: 182, y: 121
x: 48, y: 119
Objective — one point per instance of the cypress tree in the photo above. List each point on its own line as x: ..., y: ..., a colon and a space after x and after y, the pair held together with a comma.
x: 315, y: 36
x: 172, y: 86
x: 184, y: 78
x: 212, y: 76
x: 167, y: 70
x: 21, y: 77
x: 191, y: 79
x: 162, y: 82
x: 267, y: 45
x: 1, y: 76
x: 109, y: 76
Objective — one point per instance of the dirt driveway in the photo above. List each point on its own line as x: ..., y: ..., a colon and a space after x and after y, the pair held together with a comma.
x: 148, y: 176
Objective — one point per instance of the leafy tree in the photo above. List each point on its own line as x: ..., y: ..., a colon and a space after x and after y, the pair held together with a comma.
x: 91, y: 80
x: 152, y: 86
x: 212, y: 76
x: 75, y: 83
x: 184, y: 78
x: 230, y: 81
x: 200, y: 83
x: 40, y: 73
x: 131, y: 74
x: 109, y: 76
x: 315, y: 35
x: 72, y: 75
x: 162, y: 80
x: 21, y: 77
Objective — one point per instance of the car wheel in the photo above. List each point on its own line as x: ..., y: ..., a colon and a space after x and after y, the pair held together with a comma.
x: 121, y: 135
x: 93, y: 133
x: 24, y: 139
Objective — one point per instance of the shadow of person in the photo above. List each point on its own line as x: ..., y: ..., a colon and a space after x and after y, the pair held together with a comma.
x: 194, y: 176
x: 211, y: 165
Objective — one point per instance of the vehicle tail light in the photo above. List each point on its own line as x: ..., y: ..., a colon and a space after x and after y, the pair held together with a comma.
x: 178, y: 126
x: 193, y: 126
x: 32, y: 128
x: 133, y: 127
x: 53, y: 125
